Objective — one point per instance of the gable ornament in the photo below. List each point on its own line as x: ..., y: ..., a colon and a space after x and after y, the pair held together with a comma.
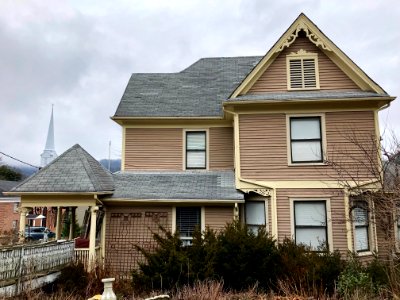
x: 312, y: 36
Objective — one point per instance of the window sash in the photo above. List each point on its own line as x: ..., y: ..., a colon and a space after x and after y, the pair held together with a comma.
x: 255, y: 213
x: 305, y: 139
x: 310, y: 223
x: 196, y: 150
x: 187, y: 220
x: 361, y: 229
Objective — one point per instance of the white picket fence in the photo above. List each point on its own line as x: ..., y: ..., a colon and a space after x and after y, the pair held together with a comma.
x: 20, y: 261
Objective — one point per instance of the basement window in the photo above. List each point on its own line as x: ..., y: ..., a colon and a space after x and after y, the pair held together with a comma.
x: 302, y: 71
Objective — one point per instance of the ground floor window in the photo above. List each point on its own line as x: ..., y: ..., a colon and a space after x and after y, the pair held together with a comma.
x: 255, y: 215
x: 361, y: 228
x: 187, y: 220
x: 310, y: 223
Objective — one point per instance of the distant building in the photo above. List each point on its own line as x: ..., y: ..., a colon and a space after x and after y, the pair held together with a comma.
x: 9, y: 214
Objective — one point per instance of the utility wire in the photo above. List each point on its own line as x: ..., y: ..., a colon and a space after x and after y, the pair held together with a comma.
x: 19, y: 160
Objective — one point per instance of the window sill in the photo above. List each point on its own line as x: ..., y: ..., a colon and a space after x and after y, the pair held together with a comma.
x: 364, y: 253
x: 307, y: 164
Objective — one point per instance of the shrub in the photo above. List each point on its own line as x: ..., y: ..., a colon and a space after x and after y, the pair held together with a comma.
x: 314, y: 271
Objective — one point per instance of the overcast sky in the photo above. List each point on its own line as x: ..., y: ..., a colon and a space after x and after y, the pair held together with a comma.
x: 79, y: 55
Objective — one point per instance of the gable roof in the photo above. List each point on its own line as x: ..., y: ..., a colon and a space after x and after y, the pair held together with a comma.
x: 317, y: 37
x: 188, y: 185
x: 75, y: 171
x: 197, y: 91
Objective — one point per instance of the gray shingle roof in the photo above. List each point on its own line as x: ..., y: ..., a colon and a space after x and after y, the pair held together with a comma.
x: 197, y: 91
x: 307, y: 95
x: 6, y: 185
x: 73, y: 171
x: 194, y: 185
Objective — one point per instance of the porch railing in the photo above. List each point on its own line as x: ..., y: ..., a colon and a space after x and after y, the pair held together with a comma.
x: 82, y: 255
x: 22, y: 260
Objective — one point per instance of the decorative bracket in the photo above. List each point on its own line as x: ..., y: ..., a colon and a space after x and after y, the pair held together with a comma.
x: 313, y: 37
x: 263, y: 192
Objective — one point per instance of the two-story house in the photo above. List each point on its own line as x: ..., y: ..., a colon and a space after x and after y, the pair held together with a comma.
x: 259, y: 139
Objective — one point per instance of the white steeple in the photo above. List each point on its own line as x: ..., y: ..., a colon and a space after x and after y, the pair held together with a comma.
x: 49, y: 152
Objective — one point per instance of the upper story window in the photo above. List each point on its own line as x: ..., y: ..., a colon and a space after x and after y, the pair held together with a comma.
x: 302, y: 71
x: 306, y: 139
x: 310, y: 223
x: 187, y: 220
x: 196, y: 152
x: 361, y: 228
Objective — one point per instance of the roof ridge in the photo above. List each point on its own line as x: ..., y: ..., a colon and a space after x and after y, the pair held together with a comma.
x: 87, y: 167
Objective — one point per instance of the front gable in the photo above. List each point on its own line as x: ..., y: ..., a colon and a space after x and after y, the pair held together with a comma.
x: 336, y: 70
x: 328, y: 75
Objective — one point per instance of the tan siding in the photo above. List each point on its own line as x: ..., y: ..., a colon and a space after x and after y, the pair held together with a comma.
x: 153, y: 148
x: 216, y: 217
x: 263, y: 146
x: 274, y: 78
x: 130, y: 226
x: 338, y: 219
x: 221, y: 148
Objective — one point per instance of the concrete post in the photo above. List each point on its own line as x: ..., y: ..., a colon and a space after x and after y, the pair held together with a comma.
x: 92, y: 239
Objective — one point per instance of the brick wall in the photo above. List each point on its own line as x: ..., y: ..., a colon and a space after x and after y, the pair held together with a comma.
x: 8, y: 215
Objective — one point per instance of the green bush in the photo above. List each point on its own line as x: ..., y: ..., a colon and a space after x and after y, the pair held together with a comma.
x: 354, y: 279
x: 314, y: 271
x: 238, y: 257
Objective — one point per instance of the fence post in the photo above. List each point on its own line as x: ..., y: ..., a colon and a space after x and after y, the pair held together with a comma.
x: 18, y: 288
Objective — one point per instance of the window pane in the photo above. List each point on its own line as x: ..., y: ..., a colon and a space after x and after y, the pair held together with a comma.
x: 361, y: 237
x: 313, y: 237
x: 255, y: 213
x: 195, y: 141
x: 195, y: 159
x: 310, y: 214
x: 187, y: 218
x: 305, y: 128
x: 253, y: 229
x: 360, y: 216
x: 306, y: 151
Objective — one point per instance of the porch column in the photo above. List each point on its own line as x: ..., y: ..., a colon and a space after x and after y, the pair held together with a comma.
x: 92, y: 237
x: 22, y: 221
x: 58, y: 225
x: 72, y: 223
x: 103, y: 237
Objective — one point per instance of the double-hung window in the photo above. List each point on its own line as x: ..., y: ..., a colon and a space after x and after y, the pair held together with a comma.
x: 306, y: 140
x: 187, y: 220
x: 255, y: 215
x: 361, y: 228
x: 310, y: 223
x: 196, y: 153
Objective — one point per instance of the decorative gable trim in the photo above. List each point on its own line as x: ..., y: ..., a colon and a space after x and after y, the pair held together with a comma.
x: 311, y: 35
x: 302, y: 23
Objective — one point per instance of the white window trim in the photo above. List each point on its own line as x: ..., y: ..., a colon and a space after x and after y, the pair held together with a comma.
x: 302, y: 54
x: 207, y: 131
x: 371, y: 235
x: 323, y: 137
x: 266, y: 203
x: 202, y: 218
x: 328, y: 217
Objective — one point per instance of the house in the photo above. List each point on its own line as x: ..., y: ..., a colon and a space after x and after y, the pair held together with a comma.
x: 9, y: 216
x: 254, y: 138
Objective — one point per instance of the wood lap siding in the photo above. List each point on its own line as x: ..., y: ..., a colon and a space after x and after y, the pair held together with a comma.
x: 274, y: 79
x: 339, y: 232
x: 153, y: 149
x: 221, y: 148
x: 263, y: 146
x: 216, y: 217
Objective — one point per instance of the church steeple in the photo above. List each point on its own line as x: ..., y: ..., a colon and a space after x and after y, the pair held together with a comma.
x: 49, y: 152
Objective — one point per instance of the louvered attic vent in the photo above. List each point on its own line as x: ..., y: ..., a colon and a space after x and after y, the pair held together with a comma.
x: 302, y: 69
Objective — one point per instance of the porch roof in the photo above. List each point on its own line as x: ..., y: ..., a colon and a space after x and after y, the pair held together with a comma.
x: 75, y: 171
x: 163, y: 185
